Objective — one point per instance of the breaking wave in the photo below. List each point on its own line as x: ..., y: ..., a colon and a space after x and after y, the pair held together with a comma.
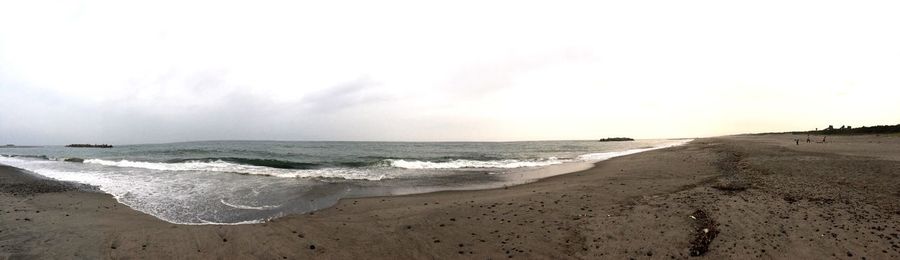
x: 229, y: 167
x: 459, y: 164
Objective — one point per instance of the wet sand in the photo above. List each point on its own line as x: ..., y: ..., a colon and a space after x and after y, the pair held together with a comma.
x: 729, y: 197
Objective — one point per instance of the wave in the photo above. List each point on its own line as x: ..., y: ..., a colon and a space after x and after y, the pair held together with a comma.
x: 41, y: 157
x: 608, y: 155
x: 73, y: 159
x: 229, y: 167
x: 460, y: 163
x: 360, y: 169
x: 238, y: 206
x: 273, y: 163
x: 512, y: 163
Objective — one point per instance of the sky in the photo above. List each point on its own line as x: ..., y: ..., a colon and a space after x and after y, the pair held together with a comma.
x: 125, y: 72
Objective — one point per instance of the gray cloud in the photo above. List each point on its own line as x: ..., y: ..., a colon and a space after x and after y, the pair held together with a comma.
x: 292, y: 71
x: 221, y: 112
x: 352, y: 93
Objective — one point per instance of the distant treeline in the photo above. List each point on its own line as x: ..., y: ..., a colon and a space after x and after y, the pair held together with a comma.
x: 90, y: 146
x: 614, y: 139
x: 849, y: 130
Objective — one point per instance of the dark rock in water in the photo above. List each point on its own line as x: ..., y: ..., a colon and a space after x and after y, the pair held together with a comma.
x: 89, y: 146
x: 616, y: 139
x: 78, y: 160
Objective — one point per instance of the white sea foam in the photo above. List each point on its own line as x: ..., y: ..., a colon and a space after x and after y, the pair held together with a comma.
x: 175, y: 198
x: 207, y: 222
x: 238, y: 206
x: 187, y: 192
x: 223, y: 166
x: 512, y: 163
x: 608, y: 155
x: 459, y: 164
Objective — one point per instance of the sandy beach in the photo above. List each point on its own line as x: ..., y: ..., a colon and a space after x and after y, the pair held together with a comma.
x: 736, y: 197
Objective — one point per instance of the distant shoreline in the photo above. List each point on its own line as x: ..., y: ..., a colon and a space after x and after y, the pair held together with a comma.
x: 616, y: 139
x: 19, y: 146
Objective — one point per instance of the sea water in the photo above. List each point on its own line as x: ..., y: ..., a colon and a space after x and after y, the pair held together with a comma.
x: 236, y: 182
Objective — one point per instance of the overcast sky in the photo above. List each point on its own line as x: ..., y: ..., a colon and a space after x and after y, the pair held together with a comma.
x: 162, y: 71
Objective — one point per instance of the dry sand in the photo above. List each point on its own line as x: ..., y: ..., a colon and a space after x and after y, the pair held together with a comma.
x: 743, y: 196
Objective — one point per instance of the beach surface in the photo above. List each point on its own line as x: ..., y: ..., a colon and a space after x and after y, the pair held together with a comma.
x: 728, y: 197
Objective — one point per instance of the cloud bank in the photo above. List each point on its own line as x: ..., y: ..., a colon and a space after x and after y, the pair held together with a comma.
x: 164, y: 71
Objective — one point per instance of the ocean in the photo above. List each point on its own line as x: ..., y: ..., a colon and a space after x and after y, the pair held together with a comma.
x: 239, y: 182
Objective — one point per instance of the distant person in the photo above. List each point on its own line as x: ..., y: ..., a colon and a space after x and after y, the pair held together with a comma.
x: 797, y: 140
x: 807, y: 139
x: 823, y: 139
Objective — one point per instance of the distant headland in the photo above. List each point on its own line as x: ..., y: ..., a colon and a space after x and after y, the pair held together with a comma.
x: 616, y: 139
x: 89, y: 146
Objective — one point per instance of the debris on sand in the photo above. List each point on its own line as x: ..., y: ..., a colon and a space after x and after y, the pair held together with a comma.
x: 731, y: 185
x: 704, y: 233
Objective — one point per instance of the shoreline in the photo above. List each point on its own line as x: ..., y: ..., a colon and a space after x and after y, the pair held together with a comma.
x: 753, y: 190
x: 348, y: 188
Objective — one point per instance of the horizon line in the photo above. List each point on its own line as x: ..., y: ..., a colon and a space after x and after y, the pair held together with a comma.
x: 359, y: 141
